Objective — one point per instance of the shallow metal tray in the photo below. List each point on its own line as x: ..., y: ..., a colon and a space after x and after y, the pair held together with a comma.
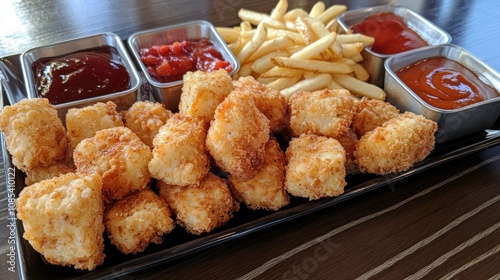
x: 177, y: 244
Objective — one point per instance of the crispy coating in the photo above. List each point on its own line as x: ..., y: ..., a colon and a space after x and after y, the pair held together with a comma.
x: 316, y: 167
x: 266, y: 190
x: 371, y: 113
x: 202, y: 92
x: 34, y: 134
x: 200, y: 209
x: 179, y: 154
x: 83, y: 123
x: 396, y: 145
x: 238, y: 135
x: 348, y: 140
x: 145, y: 118
x: 137, y: 220
x: 269, y: 101
x: 323, y: 112
x: 63, y: 219
x: 38, y: 174
x: 119, y: 156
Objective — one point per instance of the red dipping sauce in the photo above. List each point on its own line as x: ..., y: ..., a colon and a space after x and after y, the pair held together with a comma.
x: 444, y: 83
x: 168, y: 63
x: 390, y: 32
x: 80, y: 75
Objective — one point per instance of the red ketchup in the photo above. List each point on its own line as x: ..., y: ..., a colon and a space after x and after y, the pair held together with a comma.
x: 80, y: 75
x: 390, y: 32
x: 444, y: 83
x: 168, y: 63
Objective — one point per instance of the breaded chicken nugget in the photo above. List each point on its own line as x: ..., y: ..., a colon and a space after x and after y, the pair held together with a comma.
x: 137, y: 220
x: 324, y: 112
x: 348, y: 140
x: 371, y: 113
x: 119, y: 156
x: 396, y: 145
x: 266, y: 190
x: 63, y: 219
x: 145, y: 118
x: 202, y: 92
x: 238, y: 135
x: 316, y: 167
x: 200, y: 209
x: 38, y: 174
x: 179, y: 154
x: 269, y: 101
x: 83, y: 123
x: 34, y: 134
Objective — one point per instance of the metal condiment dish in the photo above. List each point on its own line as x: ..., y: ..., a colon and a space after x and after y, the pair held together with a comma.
x: 374, y: 62
x: 123, y: 99
x: 452, y: 123
x: 169, y: 93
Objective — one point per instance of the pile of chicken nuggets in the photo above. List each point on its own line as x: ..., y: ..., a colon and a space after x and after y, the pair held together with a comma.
x: 132, y: 176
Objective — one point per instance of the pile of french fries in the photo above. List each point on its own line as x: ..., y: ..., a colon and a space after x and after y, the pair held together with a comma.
x: 295, y: 50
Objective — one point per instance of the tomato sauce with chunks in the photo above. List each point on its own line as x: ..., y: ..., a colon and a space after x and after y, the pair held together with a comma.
x: 81, y: 75
x: 168, y: 63
x: 444, y: 83
x: 390, y: 32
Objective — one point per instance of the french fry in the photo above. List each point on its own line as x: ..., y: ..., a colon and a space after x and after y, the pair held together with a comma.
x: 351, y: 49
x: 317, y: 82
x: 263, y: 64
x: 304, y: 30
x: 332, y: 13
x: 292, y: 15
x: 334, y: 85
x: 256, y: 18
x: 316, y: 47
x: 282, y: 83
x: 317, y: 9
x: 270, y: 46
x: 320, y: 31
x: 229, y: 35
x: 360, y: 73
x: 315, y: 66
x: 276, y: 33
x: 280, y: 9
x: 258, y: 38
x: 245, y: 70
x: 277, y: 72
x: 354, y: 38
x: 358, y: 87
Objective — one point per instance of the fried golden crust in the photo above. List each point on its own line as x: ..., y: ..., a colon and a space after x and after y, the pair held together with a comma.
x: 83, y: 123
x: 396, y: 145
x: 348, y: 140
x: 202, y: 92
x: 238, y: 135
x: 63, y: 219
x: 316, y: 167
x: 145, y: 118
x: 269, y: 101
x: 179, y: 154
x: 371, y: 113
x: 137, y: 220
x: 200, y: 209
x: 119, y: 156
x: 323, y: 112
x: 34, y: 134
x: 265, y: 190
x: 38, y: 174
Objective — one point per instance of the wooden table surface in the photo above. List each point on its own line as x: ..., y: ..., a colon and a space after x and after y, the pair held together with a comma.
x: 441, y: 223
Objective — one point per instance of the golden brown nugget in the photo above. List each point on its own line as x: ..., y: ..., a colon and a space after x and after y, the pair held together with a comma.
x: 267, y: 189
x: 238, y: 135
x: 145, y: 118
x: 38, y: 174
x: 83, y: 123
x: 179, y: 154
x: 316, y: 167
x: 200, y: 209
x: 323, y: 112
x: 371, y: 113
x: 63, y: 219
x: 119, y: 156
x: 396, y: 145
x: 34, y: 134
x: 269, y: 101
x: 202, y: 92
x: 137, y: 220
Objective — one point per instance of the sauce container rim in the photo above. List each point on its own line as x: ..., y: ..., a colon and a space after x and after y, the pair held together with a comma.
x: 446, y: 37
x: 226, y: 52
x: 492, y: 73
